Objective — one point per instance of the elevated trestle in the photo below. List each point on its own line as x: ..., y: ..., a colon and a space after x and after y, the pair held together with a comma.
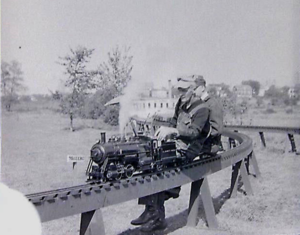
x: 88, y: 199
x: 290, y: 131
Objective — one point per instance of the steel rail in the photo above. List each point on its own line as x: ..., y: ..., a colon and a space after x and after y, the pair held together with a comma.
x: 276, y: 129
x: 290, y: 131
x: 156, y: 122
x: 60, y: 203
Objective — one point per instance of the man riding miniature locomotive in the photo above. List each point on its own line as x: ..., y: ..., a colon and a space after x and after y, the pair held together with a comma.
x: 197, y: 125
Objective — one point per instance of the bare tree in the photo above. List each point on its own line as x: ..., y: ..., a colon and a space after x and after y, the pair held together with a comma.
x: 11, y: 83
x: 79, y: 81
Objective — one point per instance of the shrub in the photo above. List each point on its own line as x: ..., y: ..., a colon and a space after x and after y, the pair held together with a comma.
x: 94, y: 105
x: 92, y: 108
x: 111, y: 115
x: 270, y: 110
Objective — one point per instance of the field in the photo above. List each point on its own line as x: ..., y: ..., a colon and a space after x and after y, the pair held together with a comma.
x: 35, y: 146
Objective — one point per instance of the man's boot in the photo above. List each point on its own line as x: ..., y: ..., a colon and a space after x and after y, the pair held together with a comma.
x: 154, y: 225
x: 148, y: 214
x: 157, y: 223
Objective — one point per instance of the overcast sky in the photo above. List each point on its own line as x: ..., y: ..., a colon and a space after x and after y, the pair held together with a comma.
x: 226, y: 41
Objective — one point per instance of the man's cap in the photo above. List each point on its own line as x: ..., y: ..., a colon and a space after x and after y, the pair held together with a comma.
x: 199, y: 80
x: 186, y: 82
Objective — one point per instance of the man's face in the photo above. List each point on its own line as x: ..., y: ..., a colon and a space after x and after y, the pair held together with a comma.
x: 186, y: 93
x: 199, y: 91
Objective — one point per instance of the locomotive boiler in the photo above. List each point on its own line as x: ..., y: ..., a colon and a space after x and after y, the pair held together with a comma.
x: 123, y: 157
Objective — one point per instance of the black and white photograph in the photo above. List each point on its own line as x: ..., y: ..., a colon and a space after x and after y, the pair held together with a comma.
x: 127, y: 117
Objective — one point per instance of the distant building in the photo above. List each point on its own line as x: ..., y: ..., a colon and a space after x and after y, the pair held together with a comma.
x: 159, y: 93
x: 219, y: 89
x: 150, y: 101
x: 153, y: 105
x: 243, y: 91
x: 292, y: 93
x: 155, y: 101
x: 262, y: 91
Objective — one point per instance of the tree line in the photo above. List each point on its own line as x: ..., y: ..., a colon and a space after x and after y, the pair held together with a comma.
x: 87, y: 89
x: 11, y: 83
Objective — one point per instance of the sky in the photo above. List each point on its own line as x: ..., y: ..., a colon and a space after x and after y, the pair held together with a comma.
x: 225, y: 41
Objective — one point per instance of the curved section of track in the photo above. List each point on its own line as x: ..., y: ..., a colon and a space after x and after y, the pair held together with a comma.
x: 64, y: 202
x: 278, y: 129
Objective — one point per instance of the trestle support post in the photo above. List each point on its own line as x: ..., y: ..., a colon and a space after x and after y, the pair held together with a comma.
x: 234, y: 179
x: 292, y: 141
x: 262, y: 138
x: 254, y: 163
x: 201, y: 188
x: 245, y: 178
x: 240, y: 167
x: 232, y: 143
x: 92, y: 223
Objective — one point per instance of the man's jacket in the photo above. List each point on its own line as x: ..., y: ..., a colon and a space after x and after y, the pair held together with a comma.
x: 215, y: 115
x: 192, y: 123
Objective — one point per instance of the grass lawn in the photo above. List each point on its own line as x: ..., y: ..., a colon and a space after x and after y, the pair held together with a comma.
x: 35, y: 146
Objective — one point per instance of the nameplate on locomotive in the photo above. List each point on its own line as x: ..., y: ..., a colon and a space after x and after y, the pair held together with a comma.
x: 75, y: 158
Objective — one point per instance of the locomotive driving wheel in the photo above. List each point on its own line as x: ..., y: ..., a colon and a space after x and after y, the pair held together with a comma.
x: 129, y: 170
x: 103, y: 180
x: 113, y: 172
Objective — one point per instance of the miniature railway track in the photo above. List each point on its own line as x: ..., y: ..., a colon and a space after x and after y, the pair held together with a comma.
x: 152, y: 124
x: 290, y: 131
x: 88, y: 198
x: 277, y: 129
x: 55, y: 204
x: 40, y: 197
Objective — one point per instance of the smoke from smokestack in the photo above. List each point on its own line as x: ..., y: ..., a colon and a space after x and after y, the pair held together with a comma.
x: 131, y: 93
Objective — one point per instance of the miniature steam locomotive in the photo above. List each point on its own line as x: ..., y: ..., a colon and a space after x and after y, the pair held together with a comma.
x: 122, y: 158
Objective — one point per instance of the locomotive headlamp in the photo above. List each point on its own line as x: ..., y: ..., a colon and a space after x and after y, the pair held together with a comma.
x: 98, y: 154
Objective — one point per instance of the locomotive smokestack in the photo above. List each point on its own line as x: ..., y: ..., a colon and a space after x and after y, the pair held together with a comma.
x: 103, y: 137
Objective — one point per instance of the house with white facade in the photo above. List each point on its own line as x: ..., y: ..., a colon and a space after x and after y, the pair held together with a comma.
x: 156, y: 101
x: 149, y: 101
x: 292, y: 93
x: 243, y: 91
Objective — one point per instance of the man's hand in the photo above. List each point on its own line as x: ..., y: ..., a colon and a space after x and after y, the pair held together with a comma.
x: 163, y: 132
